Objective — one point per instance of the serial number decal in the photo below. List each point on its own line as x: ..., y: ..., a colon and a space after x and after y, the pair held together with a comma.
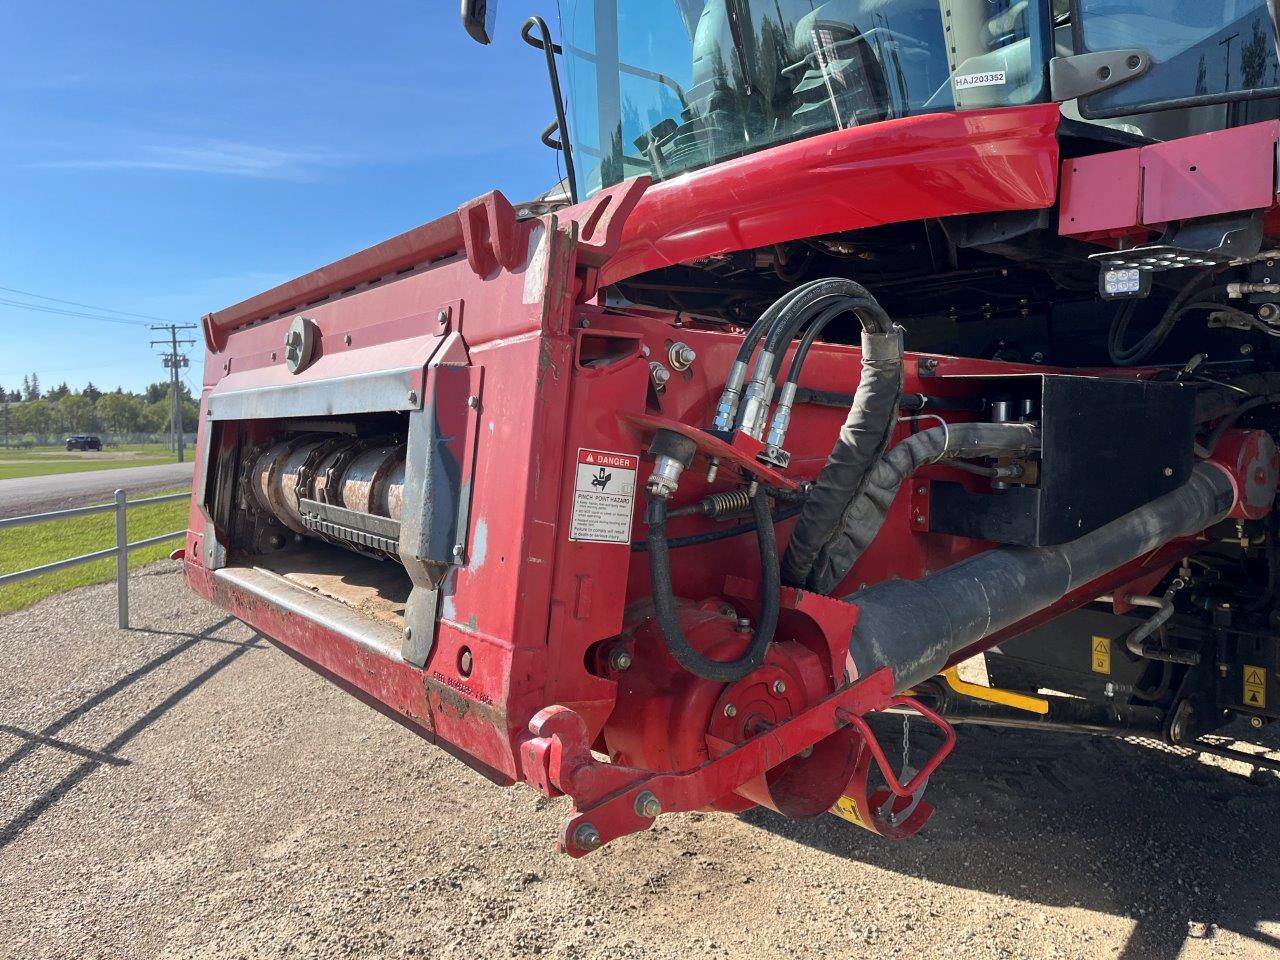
x: 996, y: 78
x: 604, y: 493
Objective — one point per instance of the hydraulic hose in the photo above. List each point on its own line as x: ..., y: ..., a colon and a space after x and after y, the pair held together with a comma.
x: 1153, y: 339
x: 664, y: 604
x: 861, y: 442
x: 916, y: 627
x: 865, y: 515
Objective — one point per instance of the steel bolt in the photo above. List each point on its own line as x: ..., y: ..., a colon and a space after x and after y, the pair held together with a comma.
x: 730, y: 710
x: 1256, y: 722
x: 659, y: 373
x: 586, y: 837
x: 347, y: 339
x: 408, y: 633
x: 620, y: 659
x: 806, y: 753
x: 473, y: 401
x: 458, y: 550
x: 744, y: 625
x: 1134, y: 62
x: 273, y: 356
x: 1246, y: 349
x: 276, y: 541
x: 442, y: 317
x: 681, y: 356
x: 779, y: 687
x: 1168, y: 471
x: 413, y: 396
x: 647, y: 805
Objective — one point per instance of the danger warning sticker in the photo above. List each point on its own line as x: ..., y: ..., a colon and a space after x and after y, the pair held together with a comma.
x: 604, y: 493
x: 1101, y: 652
x: 1255, y: 687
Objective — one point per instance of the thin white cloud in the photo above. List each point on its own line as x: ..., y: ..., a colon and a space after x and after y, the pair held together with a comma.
x: 229, y: 158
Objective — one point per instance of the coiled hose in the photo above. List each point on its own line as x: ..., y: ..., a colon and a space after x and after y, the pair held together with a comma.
x: 664, y: 604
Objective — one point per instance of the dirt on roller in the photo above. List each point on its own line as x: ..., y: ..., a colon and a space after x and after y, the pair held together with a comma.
x: 185, y: 790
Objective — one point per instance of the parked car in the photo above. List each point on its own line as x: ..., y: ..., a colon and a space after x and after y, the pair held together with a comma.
x: 84, y: 443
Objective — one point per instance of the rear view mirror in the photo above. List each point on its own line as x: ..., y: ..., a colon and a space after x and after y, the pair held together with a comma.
x: 477, y: 18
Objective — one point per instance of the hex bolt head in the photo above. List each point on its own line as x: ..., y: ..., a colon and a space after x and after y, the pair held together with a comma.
x: 620, y: 659
x: 458, y: 550
x: 1168, y: 471
x: 779, y: 687
x: 681, y: 356
x: 586, y: 837
x: 647, y: 805
x: 1256, y: 722
x: 413, y: 396
x: 442, y: 317
x: 659, y: 373
x: 473, y: 401
x: 730, y: 710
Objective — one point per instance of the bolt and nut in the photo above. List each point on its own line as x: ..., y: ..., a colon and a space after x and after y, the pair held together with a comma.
x: 681, y: 356
x: 779, y: 687
x: 659, y: 373
x: 647, y: 805
x: 620, y: 659
x: 586, y: 837
x: 473, y: 401
x: 730, y: 710
x: 413, y: 396
x: 744, y: 625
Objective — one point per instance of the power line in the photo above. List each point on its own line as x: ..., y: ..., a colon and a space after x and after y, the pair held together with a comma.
x: 38, y: 308
x: 87, y: 306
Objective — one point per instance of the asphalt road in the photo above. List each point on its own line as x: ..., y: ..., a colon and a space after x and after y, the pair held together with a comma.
x: 185, y: 791
x: 62, y: 490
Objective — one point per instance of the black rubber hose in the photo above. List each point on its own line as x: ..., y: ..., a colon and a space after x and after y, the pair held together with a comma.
x: 865, y: 515
x: 1153, y: 339
x: 811, y: 297
x: 915, y: 627
x: 811, y: 333
x: 713, y: 536
x: 862, y: 441
x: 664, y: 602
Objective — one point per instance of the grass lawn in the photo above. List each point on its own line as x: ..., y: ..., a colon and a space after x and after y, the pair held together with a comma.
x: 41, y: 543
x: 37, y: 468
x: 57, y: 451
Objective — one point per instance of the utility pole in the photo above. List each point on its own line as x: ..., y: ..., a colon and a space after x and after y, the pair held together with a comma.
x: 175, y: 361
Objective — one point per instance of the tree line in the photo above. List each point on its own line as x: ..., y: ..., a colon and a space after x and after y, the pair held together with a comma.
x: 30, y: 414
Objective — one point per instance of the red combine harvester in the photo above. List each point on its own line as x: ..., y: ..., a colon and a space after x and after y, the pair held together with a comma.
x: 879, y: 365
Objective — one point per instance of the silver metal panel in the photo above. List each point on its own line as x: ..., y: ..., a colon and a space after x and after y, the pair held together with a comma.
x: 358, y: 393
x: 377, y: 637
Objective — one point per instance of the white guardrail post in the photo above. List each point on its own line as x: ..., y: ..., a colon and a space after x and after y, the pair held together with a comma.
x: 122, y: 561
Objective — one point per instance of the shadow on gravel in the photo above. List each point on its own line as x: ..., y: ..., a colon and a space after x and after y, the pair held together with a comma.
x: 105, y: 756
x: 1174, y: 845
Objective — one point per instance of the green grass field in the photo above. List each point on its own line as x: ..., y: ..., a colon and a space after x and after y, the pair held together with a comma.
x: 41, y: 543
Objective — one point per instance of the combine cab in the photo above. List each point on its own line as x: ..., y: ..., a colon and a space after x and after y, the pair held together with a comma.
x: 880, y: 363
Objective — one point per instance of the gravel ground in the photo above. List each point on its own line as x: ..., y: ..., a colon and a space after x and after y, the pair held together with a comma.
x: 185, y: 790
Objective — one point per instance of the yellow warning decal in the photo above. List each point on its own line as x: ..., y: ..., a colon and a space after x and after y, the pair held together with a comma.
x: 1101, y: 655
x: 846, y: 809
x: 1255, y: 687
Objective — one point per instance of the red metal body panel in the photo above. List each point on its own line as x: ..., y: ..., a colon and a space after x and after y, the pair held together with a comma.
x: 936, y: 165
x: 1129, y: 190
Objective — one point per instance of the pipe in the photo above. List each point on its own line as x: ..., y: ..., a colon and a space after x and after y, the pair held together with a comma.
x: 1065, y: 715
x: 914, y: 627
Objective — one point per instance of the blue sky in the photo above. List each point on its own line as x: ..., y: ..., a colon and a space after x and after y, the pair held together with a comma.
x: 171, y: 159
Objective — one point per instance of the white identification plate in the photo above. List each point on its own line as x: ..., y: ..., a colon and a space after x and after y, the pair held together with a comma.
x: 604, y: 493
x: 970, y: 80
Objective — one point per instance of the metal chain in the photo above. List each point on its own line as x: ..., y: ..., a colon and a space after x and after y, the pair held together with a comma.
x: 906, y: 744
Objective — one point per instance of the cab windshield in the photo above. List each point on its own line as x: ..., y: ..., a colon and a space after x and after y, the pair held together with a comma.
x: 659, y: 87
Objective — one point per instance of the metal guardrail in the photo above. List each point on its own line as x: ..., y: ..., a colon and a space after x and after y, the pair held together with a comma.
x: 120, y: 506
